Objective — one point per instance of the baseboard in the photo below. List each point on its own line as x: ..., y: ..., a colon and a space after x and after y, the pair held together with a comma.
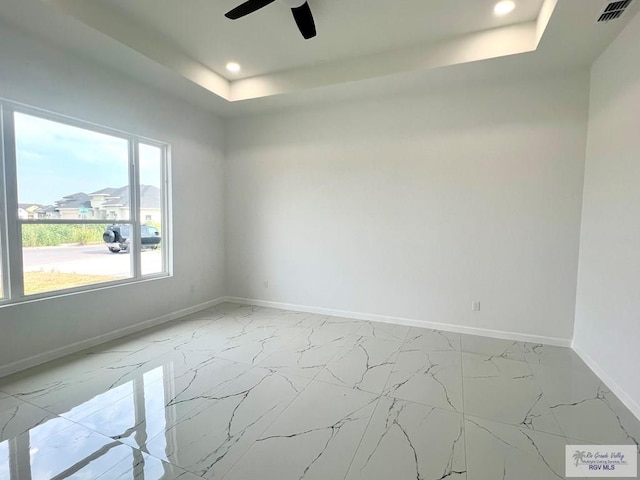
x: 41, y: 358
x: 624, y: 397
x: 447, y: 327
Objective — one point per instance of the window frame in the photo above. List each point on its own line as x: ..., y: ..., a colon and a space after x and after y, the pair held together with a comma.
x: 11, y: 255
x: 4, y: 247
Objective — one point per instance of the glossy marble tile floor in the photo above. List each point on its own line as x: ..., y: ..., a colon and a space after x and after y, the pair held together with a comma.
x: 240, y: 392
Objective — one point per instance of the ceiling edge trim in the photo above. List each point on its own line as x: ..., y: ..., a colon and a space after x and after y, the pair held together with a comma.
x: 498, y: 42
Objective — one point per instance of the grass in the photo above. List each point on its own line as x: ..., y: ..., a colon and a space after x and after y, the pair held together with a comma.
x: 39, y: 282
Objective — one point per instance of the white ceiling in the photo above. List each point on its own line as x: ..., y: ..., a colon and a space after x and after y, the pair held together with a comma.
x: 363, y: 47
x: 268, y: 41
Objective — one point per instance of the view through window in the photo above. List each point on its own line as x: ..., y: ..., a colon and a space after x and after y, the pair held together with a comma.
x: 90, y: 205
x: 151, y: 191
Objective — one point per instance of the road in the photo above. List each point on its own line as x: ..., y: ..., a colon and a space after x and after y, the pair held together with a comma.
x: 87, y: 259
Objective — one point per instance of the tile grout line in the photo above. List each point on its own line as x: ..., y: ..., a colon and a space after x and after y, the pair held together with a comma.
x: 563, y: 435
x: 311, y: 380
x: 265, y: 429
x: 544, y: 396
x: 364, y: 432
x: 464, y: 415
x: 251, y: 367
x: 366, y: 429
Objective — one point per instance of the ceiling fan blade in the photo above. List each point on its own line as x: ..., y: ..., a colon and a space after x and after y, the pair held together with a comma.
x: 246, y: 8
x: 304, y: 20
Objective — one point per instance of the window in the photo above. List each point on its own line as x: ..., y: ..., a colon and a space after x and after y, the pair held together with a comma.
x: 75, y: 197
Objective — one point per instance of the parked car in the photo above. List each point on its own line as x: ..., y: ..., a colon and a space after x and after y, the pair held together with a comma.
x: 118, y: 237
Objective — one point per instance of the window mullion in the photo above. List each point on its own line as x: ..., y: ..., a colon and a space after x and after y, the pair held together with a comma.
x: 14, y: 233
x: 134, y: 202
x: 167, y: 254
x: 4, y: 259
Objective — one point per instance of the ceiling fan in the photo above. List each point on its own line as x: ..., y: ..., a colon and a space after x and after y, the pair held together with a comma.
x: 300, y: 9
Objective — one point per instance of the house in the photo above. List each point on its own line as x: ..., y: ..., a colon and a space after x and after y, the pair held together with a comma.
x: 110, y: 204
x: 405, y: 247
x: 73, y: 206
x: 28, y: 211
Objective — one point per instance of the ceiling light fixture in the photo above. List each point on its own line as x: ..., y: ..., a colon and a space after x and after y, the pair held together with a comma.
x: 504, y: 7
x: 233, y: 67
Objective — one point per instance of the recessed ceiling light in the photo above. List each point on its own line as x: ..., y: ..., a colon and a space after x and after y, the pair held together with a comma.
x: 233, y: 67
x: 504, y: 7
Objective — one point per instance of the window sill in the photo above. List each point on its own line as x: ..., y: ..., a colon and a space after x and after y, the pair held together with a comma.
x: 69, y: 292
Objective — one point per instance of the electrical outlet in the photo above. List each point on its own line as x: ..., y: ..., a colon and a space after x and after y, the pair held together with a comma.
x: 475, y: 305
x: 266, y: 284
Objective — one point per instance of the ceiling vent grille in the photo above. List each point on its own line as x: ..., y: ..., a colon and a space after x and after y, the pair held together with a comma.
x: 614, y: 10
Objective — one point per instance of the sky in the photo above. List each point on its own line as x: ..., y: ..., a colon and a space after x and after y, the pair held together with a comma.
x: 55, y: 160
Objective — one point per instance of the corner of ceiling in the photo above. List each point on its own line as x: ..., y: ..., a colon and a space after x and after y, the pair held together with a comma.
x: 148, y: 43
x: 548, y: 7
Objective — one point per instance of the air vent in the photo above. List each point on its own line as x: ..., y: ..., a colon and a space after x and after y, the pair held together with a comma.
x: 614, y: 10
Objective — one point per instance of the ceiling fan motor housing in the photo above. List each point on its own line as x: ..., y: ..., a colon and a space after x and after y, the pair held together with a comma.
x: 299, y: 8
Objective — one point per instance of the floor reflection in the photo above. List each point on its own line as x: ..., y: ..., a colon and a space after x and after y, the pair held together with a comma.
x: 112, y: 422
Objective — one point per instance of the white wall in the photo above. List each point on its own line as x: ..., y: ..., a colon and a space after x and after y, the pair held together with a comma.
x: 607, y: 328
x: 39, y: 75
x: 415, y: 205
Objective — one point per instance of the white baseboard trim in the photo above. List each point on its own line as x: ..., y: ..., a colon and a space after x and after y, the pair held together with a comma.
x: 447, y: 327
x: 51, y: 355
x: 624, y: 397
